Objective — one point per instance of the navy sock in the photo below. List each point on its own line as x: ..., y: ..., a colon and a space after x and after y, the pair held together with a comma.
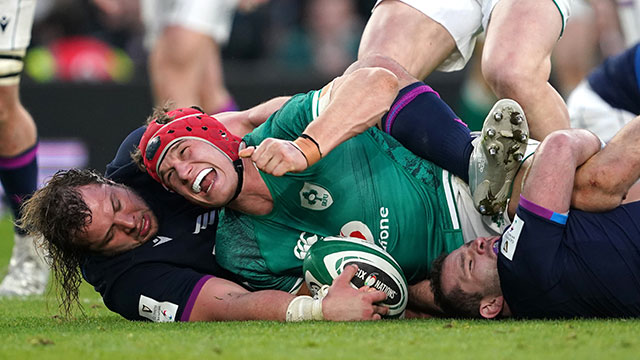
x: 427, y: 126
x: 19, y: 176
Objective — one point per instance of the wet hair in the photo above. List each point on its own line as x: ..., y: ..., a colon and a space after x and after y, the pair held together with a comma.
x: 58, y: 215
x: 455, y: 303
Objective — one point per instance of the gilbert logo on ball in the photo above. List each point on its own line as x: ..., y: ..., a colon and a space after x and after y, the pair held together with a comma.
x: 327, y: 258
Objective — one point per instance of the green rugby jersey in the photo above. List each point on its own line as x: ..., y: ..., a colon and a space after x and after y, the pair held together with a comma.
x: 369, y: 187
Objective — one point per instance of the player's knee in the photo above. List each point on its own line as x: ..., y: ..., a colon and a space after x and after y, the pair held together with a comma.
x: 508, y: 79
x: 559, y: 144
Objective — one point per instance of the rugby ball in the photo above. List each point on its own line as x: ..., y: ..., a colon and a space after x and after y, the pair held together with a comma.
x: 376, y: 268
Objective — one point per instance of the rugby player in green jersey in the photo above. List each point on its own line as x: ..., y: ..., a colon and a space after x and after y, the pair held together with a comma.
x: 322, y: 168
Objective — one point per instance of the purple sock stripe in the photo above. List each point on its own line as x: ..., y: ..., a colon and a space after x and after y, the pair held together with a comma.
x: 406, y: 99
x: 20, y: 160
x: 186, y: 314
x: 543, y: 212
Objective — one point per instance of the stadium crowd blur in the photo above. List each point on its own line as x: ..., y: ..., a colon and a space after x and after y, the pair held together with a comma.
x: 74, y: 40
x: 278, y: 48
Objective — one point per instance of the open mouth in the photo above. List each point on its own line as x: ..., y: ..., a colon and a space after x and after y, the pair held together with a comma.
x: 145, y: 225
x: 197, y: 183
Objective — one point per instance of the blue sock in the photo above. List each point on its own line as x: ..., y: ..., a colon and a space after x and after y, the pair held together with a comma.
x: 19, y: 176
x: 427, y: 126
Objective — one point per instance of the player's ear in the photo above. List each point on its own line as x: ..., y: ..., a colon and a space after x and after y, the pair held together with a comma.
x: 491, y: 306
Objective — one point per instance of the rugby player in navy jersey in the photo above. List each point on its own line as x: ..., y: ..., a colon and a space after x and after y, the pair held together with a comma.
x: 554, y: 261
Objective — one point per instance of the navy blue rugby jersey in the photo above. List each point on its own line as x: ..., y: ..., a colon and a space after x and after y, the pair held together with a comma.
x: 586, y: 267
x: 617, y: 80
x: 160, y: 279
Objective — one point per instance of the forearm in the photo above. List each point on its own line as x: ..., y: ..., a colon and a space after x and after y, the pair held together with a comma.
x: 261, y: 305
x: 220, y: 300
x: 357, y: 103
x: 603, y: 182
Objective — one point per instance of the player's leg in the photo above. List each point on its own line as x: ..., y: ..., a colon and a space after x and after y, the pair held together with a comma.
x: 427, y: 126
x: 184, y: 61
x: 401, y: 32
x: 422, y: 121
x: 519, y: 69
x: 213, y: 91
x: 28, y: 273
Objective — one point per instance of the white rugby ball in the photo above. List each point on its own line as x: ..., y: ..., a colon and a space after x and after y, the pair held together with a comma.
x: 376, y: 268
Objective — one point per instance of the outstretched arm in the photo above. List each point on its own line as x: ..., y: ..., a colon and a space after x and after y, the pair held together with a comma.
x: 357, y: 102
x: 222, y: 300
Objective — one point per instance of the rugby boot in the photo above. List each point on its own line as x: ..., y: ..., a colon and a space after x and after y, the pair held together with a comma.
x: 496, y: 156
x: 28, y: 272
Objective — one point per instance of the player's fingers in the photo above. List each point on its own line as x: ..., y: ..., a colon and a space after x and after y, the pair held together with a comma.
x: 365, y: 289
x: 376, y: 296
x: 282, y: 168
x: 273, y: 160
x: 376, y: 317
x: 382, y: 310
x: 348, y: 272
x: 262, y: 156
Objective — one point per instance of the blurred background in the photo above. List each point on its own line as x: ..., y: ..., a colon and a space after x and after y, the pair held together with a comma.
x: 87, y: 85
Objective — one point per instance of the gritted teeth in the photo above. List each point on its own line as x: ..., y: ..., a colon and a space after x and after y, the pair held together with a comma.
x: 196, y: 183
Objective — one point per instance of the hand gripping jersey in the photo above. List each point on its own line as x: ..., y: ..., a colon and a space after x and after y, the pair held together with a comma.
x: 368, y: 187
x: 586, y: 267
x: 161, y: 279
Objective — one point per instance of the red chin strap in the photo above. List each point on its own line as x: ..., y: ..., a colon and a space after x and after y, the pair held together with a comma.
x: 187, y: 123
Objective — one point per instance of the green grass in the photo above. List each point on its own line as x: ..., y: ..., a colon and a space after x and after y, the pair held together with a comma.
x: 31, y: 329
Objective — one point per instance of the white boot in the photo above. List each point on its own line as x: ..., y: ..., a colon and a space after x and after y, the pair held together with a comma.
x: 28, y: 272
x: 497, y: 155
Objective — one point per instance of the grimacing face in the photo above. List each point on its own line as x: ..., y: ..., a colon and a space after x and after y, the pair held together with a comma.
x: 199, y: 172
x: 473, y: 267
x: 120, y: 219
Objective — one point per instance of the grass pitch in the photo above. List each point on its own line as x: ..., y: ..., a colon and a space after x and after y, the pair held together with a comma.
x: 32, y: 329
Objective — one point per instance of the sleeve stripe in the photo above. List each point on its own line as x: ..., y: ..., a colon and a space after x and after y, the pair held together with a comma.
x: 186, y: 314
x: 543, y: 212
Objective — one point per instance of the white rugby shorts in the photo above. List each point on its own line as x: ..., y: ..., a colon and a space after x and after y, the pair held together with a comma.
x: 210, y: 17
x: 465, y: 20
x: 587, y: 110
x: 16, y: 20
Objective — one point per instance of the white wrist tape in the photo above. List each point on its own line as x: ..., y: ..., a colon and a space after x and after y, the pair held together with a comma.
x: 304, y: 308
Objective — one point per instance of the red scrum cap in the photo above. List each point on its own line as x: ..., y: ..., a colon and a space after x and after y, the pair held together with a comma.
x: 187, y: 123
